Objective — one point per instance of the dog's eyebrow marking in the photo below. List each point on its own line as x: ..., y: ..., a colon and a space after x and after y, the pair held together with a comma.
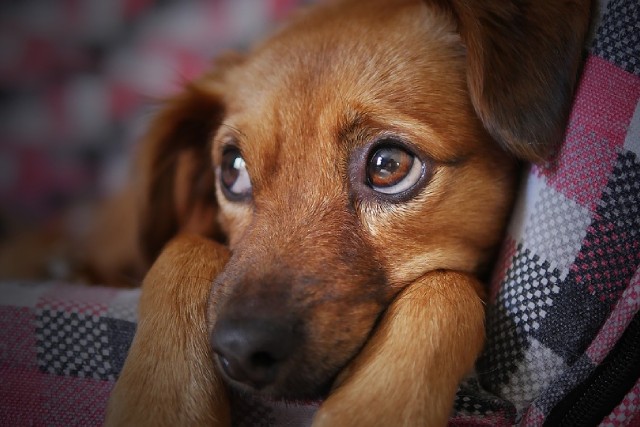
x: 352, y: 124
x: 355, y: 127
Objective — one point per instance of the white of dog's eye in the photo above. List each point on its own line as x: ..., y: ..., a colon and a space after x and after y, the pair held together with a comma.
x: 393, y: 170
x: 234, y: 176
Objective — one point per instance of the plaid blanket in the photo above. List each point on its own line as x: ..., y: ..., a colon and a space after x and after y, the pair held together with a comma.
x: 76, y: 78
x: 565, y: 293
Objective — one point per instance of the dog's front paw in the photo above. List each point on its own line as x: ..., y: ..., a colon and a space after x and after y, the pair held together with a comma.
x: 409, y: 371
x: 169, y: 378
x: 346, y: 412
x: 374, y: 393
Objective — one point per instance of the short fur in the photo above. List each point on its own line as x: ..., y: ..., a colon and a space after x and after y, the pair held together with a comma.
x: 383, y: 296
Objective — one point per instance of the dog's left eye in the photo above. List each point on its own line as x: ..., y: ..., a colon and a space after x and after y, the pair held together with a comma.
x: 392, y: 170
x: 234, y: 177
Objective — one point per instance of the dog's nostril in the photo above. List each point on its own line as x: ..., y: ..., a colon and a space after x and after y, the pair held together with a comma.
x: 252, y: 351
x: 263, y: 359
x: 232, y: 368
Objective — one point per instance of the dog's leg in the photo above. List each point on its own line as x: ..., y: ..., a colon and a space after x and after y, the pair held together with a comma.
x: 169, y: 378
x: 408, y: 374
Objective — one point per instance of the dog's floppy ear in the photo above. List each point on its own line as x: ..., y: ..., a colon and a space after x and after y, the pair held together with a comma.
x: 523, y: 59
x: 176, y: 174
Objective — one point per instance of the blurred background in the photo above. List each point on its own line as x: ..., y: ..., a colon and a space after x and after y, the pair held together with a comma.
x: 78, y: 81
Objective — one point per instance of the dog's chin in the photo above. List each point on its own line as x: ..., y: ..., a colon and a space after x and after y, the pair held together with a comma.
x: 288, y: 393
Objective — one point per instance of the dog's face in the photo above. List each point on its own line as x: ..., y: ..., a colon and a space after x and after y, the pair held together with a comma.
x: 350, y: 158
x: 350, y: 167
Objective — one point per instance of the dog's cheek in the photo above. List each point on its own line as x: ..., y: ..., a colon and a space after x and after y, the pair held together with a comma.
x: 455, y: 224
x: 233, y: 219
x: 343, y: 327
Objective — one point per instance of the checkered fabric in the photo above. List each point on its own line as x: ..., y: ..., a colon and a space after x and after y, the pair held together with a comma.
x: 566, y: 283
x: 61, y: 349
x: 78, y: 80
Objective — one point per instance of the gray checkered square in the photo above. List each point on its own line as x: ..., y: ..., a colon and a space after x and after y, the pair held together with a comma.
x: 576, y: 372
x: 618, y: 38
x: 620, y: 202
x: 125, y: 305
x: 611, y: 251
x: 539, y: 367
x: 72, y: 344
x: 529, y: 288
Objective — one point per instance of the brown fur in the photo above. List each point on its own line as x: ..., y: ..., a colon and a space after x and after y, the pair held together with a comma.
x: 172, y: 365
x: 383, y: 294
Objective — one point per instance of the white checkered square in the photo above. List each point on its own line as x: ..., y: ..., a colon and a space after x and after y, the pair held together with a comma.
x: 557, y: 229
x: 125, y: 305
x: 526, y: 297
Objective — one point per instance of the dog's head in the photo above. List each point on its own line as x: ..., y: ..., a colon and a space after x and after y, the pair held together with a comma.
x: 364, y: 145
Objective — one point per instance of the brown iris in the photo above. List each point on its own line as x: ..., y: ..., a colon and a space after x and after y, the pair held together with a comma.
x: 388, y: 166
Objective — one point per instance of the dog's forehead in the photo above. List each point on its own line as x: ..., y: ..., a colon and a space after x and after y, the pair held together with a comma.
x: 374, y: 52
x: 385, y: 61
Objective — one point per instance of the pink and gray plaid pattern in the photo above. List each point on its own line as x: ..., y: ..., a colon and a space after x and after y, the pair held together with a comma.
x: 567, y: 283
x: 61, y: 349
x: 76, y: 78
x: 565, y: 287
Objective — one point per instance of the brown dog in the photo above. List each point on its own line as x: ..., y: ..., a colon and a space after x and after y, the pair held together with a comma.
x: 364, y: 163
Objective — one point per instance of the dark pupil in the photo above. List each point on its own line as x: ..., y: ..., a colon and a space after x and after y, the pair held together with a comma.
x: 230, y: 167
x: 388, y: 166
x: 385, y: 163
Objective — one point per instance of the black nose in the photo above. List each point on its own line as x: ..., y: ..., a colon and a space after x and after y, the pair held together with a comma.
x: 253, y: 351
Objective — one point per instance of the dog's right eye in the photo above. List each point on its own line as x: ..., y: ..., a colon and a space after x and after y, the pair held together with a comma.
x: 234, y: 177
x: 393, y: 170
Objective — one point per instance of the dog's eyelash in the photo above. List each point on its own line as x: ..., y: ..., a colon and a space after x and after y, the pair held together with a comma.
x: 234, y: 129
